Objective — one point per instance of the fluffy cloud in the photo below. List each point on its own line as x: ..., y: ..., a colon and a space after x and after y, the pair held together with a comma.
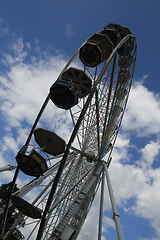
x: 141, y: 182
x: 25, y: 86
x: 3, y: 29
x: 149, y: 153
x: 147, y: 204
x: 143, y: 111
x: 69, y: 30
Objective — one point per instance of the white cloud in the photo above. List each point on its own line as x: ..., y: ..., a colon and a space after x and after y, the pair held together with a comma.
x: 18, y: 50
x: 3, y: 162
x: 122, y: 141
x: 145, y: 76
x: 141, y: 182
x: 107, y: 222
x: 3, y: 29
x: 149, y: 153
x: 24, y: 88
x: 9, y: 143
x: 70, y: 30
x: 28, y: 46
x: 127, y: 181
x: 147, y: 204
x: 143, y: 111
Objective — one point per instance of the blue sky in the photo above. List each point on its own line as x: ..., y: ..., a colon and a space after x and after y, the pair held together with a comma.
x: 37, y: 38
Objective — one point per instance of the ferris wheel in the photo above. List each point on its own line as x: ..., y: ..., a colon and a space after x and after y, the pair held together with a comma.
x: 95, y: 94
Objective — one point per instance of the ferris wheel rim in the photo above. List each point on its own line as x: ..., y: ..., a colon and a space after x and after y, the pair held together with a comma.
x: 93, y: 90
x: 74, y: 132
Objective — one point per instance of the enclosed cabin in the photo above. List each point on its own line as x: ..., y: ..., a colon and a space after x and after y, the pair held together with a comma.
x: 101, y: 44
x: 96, y: 50
x: 33, y: 163
x: 26, y: 208
x: 70, y: 86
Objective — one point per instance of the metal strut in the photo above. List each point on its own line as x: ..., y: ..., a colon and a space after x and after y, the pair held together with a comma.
x: 116, y: 216
x: 101, y: 209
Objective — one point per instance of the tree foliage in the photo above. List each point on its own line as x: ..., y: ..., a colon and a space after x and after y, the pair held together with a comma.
x: 12, y: 213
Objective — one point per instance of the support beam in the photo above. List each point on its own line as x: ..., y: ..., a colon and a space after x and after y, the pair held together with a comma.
x: 101, y: 209
x: 8, y: 167
x: 116, y: 216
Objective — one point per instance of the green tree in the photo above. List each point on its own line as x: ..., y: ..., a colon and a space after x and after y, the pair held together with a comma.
x: 12, y: 214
